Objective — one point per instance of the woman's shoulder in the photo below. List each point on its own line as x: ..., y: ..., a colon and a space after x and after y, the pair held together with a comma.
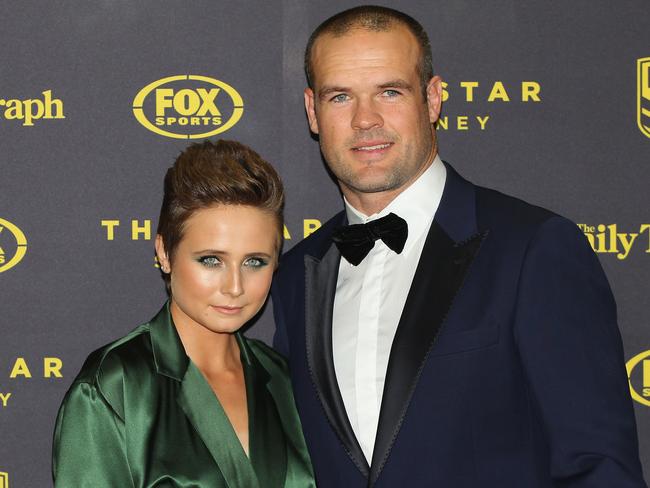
x: 105, y: 369
x: 112, y: 357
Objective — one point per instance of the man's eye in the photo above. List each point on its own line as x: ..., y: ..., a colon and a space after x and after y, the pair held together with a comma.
x: 339, y: 98
x: 255, y: 262
x: 391, y: 93
x: 210, y: 261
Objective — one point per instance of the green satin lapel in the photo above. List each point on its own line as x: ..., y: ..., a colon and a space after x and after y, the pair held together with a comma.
x: 299, y: 472
x: 211, y: 423
x: 268, y: 450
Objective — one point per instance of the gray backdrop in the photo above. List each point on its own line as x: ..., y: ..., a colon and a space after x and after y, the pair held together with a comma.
x: 581, y: 150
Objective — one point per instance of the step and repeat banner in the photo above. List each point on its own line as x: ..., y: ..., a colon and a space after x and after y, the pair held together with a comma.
x: 548, y: 101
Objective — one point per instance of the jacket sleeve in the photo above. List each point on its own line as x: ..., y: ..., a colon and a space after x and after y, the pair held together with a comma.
x: 571, y: 350
x: 89, y: 442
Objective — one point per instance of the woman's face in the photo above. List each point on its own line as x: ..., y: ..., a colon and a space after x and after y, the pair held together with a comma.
x: 222, y: 267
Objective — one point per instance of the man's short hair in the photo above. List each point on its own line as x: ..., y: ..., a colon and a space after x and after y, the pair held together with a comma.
x: 372, y: 18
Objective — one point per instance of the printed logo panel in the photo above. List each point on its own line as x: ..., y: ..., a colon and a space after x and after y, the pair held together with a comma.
x: 188, y: 107
x: 617, y: 240
x: 638, y: 374
x: 13, y: 245
x: 643, y: 95
x: 32, y: 109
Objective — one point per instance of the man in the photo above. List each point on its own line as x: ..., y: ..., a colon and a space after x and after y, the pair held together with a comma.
x: 465, y: 338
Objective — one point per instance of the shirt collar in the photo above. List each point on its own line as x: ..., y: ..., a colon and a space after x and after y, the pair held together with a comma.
x: 417, y: 204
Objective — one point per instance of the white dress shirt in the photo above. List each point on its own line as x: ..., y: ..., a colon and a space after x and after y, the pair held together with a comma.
x: 369, y: 301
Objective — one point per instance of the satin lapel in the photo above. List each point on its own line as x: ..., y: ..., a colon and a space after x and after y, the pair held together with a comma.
x: 320, y: 286
x: 267, y: 445
x: 439, y: 276
x: 211, y: 423
x: 296, y: 469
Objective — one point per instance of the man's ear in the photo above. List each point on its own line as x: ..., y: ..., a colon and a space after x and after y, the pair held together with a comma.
x: 311, y: 110
x: 162, y: 255
x: 434, y: 98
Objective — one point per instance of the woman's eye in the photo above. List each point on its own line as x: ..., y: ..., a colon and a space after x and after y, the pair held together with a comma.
x: 210, y: 261
x: 255, y: 262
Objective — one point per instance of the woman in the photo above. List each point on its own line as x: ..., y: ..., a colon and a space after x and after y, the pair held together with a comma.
x: 185, y: 400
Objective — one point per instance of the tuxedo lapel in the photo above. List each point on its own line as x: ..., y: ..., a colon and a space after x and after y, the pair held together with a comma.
x: 320, y: 286
x: 439, y: 276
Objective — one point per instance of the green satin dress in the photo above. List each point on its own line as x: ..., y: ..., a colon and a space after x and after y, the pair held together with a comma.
x: 141, y: 414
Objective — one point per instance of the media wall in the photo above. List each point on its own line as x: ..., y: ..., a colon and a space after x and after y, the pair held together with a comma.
x: 547, y: 101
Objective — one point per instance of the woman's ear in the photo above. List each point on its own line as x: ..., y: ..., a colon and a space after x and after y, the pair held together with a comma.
x: 162, y: 255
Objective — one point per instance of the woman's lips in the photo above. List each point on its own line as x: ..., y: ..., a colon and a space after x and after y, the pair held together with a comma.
x: 227, y: 310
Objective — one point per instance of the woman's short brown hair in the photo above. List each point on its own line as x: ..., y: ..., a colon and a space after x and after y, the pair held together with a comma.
x: 220, y: 173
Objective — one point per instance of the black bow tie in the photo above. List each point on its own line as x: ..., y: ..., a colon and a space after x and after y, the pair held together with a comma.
x: 356, y: 241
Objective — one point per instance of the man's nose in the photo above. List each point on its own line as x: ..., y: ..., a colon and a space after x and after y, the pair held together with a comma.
x: 366, y: 115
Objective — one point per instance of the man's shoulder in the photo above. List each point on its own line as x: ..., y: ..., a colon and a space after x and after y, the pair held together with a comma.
x: 518, y: 222
x: 497, y: 209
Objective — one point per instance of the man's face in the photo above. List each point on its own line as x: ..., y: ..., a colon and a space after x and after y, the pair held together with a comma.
x: 369, y: 111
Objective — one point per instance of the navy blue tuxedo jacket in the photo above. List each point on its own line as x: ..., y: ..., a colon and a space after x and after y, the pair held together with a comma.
x: 506, y: 370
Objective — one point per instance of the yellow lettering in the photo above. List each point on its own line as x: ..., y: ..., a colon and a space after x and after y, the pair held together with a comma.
x: 14, y: 110
x: 286, y: 233
x: 207, y: 101
x: 110, y: 228
x: 30, y: 113
x: 443, y: 123
x: 626, y: 240
x: 613, y: 237
x: 52, y: 367
x: 144, y: 230
x: 646, y: 373
x: 592, y: 241
x: 445, y: 93
x: 56, y: 103
x: 186, y: 102
x: 310, y: 226
x: 164, y: 98
x: 498, y: 93
x: 482, y: 121
x: 20, y: 368
x: 469, y: 89
x: 530, y: 91
x: 601, y: 245
x: 461, y: 120
x: 643, y: 228
x: 4, y: 398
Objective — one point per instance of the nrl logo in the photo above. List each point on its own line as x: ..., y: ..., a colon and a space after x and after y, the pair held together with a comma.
x: 643, y: 95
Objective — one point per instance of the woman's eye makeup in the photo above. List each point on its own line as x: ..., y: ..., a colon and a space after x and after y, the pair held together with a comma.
x: 251, y: 262
x: 209, y: 261
x: 256, y: 262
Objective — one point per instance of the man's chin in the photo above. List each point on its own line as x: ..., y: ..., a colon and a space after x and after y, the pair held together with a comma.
x: 370, y: 186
